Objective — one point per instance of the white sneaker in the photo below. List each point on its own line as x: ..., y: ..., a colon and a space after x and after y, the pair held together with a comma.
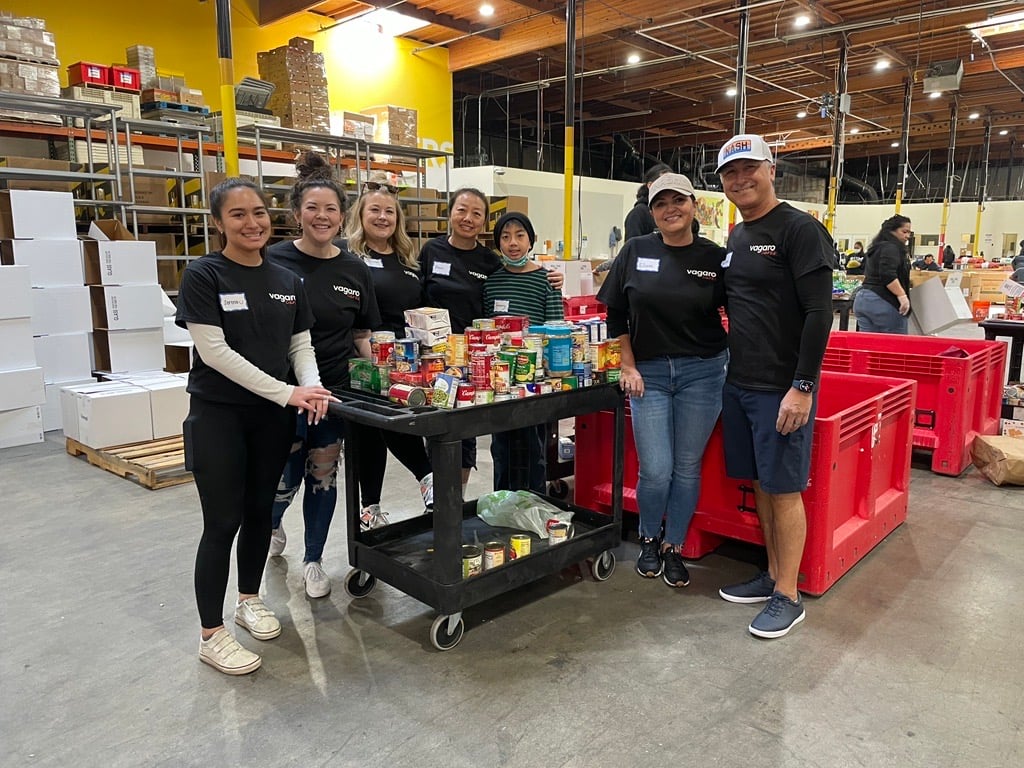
x: 372, y: 517
x: 257, y: 618
x: 315, y: 579
x: 427, y: 491
x: 222, y: 652
x: 278, y: 538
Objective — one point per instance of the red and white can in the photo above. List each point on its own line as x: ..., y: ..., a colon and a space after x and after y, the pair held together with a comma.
x: 464, y: 395
x: 480, y: 368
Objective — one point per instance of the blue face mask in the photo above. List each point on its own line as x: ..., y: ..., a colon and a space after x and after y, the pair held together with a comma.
x: 517, y: 262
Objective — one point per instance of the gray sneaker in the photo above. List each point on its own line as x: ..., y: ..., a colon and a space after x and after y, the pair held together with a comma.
x: 758, y: 590
x: 778, y: 617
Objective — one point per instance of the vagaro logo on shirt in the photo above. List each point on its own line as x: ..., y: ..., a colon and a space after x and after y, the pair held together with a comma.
x: 352, y: 293
x: 705, y: 274
x: 284, y: 298
x: 477, y: 275
x: 764, y: 250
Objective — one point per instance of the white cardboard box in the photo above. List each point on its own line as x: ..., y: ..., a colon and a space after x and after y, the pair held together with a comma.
x: 168, y: 403
x: 21, y: 426
x: 15, y: 292
x: 127, y: 307
x: 21, y: 388
x: 579, y: 276
x: 140, y: 349
x: 52, y: 416
x: 61, y: 309
x: 1011, y: 428
x: 64, y: 356
x: 173, y: 333
x: 120, y: 262
x: 50, y: 262
x: 103, y: 415
x: 16, y: 347
x: 26, y: 213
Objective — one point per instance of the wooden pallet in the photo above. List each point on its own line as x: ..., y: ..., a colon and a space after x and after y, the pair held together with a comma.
x: 154, y: 463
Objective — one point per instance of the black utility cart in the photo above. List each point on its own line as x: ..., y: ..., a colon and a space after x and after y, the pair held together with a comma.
x: 422, y: 556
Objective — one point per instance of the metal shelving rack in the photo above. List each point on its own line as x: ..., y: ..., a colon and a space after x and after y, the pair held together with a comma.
x: 94, y: 118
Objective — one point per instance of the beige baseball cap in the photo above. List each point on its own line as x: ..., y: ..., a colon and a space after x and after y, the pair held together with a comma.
x: 673, y: 181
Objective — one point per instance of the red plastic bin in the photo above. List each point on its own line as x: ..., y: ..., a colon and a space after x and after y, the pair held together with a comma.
x: 583, y: 307
x: 125, y: 78
x: 958, y: 398
x: 859, y: 479
x: 87, y: 73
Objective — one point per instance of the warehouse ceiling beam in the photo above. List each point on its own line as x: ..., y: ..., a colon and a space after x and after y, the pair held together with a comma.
x: 275, y: 10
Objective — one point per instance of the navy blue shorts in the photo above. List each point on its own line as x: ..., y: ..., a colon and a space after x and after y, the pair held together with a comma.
x: 754, y: 448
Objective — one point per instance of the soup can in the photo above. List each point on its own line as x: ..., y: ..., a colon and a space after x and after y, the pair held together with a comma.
x: 474, y: 336
x: 483, y: 323
x: 501, y: 377
x: 472, y: 561
x: 518, y: 546
x: 464, y: 395
x: 406, y: 394
x: 432, y: 364
x: 494, y: 554
x: 480, y: 368
x: 382, y: 347
x: 558, y: 533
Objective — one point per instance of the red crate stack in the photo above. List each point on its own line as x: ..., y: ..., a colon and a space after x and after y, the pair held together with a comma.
x: 859, y: 481
x: 125, y: 78
x: 959, y: 386
x: 88, y: 73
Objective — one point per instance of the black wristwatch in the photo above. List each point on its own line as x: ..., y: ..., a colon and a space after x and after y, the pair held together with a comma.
x: 804, y: 385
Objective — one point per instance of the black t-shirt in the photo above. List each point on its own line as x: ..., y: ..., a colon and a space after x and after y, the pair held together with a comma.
x: 886, y: 261
x: 397, y: 287
x: 258, y: 308
x: 766, y: 316
x: 453, y: 279
x: 341, y: 295
x: 639, y: 221
x: 669, y: 297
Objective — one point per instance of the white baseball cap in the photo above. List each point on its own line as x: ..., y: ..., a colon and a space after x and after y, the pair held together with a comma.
x: 674, y: 181
x: 742, y: 147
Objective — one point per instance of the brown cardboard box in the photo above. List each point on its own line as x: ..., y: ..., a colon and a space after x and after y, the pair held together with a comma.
x: 918, y: 276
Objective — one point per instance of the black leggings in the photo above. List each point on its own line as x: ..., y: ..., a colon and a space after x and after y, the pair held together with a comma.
x: 236, y: 453
x: 372, y: 446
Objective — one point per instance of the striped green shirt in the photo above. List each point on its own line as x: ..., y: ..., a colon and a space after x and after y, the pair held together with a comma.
x: 522, y: 293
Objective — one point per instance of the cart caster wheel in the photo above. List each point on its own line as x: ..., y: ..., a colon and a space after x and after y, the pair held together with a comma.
x: 558, y: 489
x: 359, y: 583
x: 440, y: 636
x: 603, y: 566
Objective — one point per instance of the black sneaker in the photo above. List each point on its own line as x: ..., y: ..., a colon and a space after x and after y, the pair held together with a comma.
x: 758, y: 590
x: 649, y: 563
x: 778, y: 617
x: 675, y: 573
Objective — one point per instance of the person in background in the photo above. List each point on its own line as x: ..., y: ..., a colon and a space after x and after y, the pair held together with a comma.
x: 520, y: 287
x: 1018, y: 260
x: 778, y: 285
x: 882, y: 304
x: 341, y: 296
x: 855, y: 259
x: 639, y: 220
x: 948, y: 257
x: 249, y: 320
x: 663, y: 295
x: 376, y: 232
x: 926, y: 264
x: 454, y: 269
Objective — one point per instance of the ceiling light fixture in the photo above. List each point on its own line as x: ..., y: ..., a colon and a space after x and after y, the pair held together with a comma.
x: 974, y: 116
x: 855, y: 130
x: 935, y: 95
x: 801, y: 114
x: 894, y: 144
x: 998, y: 25
x: 730, y: 92
x: 801, y: 21
x: 486, y: 9
x: 882, y: 64
x: 633, y: 58
x: 1003, y: 132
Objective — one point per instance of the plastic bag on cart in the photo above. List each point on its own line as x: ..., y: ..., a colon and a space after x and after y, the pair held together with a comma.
x: 519, y: 509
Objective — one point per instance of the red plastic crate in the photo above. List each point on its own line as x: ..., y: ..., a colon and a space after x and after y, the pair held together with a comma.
x: 858, y: 493
x: 958, y: 398
x: 88, y: 73
x: 583, y: 307
x: 125, y: 78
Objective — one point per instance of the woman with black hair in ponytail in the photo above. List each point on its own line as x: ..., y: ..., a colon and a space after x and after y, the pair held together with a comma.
x: 882, y: 304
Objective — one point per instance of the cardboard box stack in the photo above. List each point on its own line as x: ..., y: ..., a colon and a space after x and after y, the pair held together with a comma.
x: 21, y: 380
x: 39, y: 234
x: 422, y: 210
x: 143, y: 58
x: 28, y: 62
x: 300, y: 95
x: 394, y: 125
x: 127, y: 312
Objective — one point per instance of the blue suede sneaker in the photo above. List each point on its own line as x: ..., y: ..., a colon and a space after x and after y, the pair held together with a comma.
x: 758, y: 590
x: 778, y: 617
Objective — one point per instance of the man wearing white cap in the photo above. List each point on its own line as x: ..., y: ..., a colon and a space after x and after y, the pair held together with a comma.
x: 778, y: 282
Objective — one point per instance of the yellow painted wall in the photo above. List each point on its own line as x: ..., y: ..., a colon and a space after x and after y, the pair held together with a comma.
x: 364, y: 68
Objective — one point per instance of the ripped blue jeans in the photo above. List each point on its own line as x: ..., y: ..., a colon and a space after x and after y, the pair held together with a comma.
x: 314, y: 458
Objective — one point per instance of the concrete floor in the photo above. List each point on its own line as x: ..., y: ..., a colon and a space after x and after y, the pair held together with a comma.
x: 912, y: 659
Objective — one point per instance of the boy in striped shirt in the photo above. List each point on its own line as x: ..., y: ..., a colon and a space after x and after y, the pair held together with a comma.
x: 520, y: 287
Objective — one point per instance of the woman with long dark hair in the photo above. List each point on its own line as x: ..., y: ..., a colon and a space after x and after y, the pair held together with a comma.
x: 882, y: 303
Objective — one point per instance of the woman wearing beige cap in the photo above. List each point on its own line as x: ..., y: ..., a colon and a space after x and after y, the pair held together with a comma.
x: 663, y: 294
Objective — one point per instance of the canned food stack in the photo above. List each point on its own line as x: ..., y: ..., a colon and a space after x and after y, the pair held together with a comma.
x: 493, y: 360
x: 477, y: 558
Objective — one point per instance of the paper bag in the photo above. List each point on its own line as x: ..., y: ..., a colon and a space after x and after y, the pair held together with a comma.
x: 1000, y: 458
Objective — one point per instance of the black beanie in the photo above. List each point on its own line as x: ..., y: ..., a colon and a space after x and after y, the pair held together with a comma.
x: 522, y: 218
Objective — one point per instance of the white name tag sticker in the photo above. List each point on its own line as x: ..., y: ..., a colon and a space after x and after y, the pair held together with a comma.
x: 233, y: 302
x: 375, y: 263
x: 442, y: 268
x: 648, y: 265
x: 501, y: 305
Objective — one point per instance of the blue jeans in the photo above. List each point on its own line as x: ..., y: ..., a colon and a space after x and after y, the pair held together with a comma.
x: 321, y: 475
x: 671, y: 426
x: 876, y: 315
